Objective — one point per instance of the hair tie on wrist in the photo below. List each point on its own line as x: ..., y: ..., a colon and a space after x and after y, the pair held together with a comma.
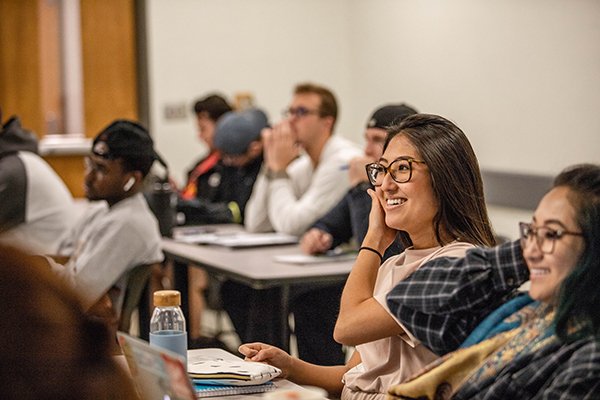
x: 374, y: 251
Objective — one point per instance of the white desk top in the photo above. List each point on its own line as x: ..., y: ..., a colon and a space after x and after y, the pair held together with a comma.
x: 256, y: 266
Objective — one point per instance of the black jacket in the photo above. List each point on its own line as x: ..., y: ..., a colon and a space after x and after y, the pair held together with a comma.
x: 217, y: 188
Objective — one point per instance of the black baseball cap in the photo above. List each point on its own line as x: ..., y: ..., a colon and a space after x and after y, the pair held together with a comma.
x: 389, y: 115
x: 124, y: 139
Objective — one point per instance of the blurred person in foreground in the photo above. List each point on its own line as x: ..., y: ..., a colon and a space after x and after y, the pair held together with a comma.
x: 36, y: 208
x: 50, y: 348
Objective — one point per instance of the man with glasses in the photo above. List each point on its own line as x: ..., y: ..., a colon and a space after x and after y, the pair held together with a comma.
x: 304, y: 175
x: 120, y: 232
x: 294, y: 190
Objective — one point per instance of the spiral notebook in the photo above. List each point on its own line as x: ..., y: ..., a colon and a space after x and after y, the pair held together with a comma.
x: 203, y: 390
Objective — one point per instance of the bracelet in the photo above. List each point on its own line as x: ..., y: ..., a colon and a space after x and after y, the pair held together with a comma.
x: 373, y: 251
x: 271, y: 175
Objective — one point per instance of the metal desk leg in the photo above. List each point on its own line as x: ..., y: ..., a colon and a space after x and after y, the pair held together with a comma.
x: 285, y: 313
x: 180, y: 282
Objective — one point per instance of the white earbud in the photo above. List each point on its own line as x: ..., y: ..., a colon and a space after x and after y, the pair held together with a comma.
x: 129, y: 184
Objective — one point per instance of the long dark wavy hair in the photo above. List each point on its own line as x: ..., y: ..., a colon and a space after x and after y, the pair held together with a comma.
x: 455, y: 177
x: 579, y: 299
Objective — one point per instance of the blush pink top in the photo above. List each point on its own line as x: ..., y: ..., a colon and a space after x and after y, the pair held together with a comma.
x: 391, y: 360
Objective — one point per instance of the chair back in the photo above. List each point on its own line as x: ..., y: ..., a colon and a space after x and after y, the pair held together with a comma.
x: 137, y: 279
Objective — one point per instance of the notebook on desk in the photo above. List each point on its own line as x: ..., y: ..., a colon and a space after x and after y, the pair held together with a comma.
x: 161, y: 374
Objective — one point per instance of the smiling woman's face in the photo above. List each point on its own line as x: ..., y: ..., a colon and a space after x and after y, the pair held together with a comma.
x: 547, y: 271
x: 409, y: 206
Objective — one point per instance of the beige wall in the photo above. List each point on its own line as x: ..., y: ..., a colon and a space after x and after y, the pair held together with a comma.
x: 519, y: 76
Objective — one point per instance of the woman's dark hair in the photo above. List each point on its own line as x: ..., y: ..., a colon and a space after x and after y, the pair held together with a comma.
x: 579, y: 299
x: 214, y: 105
x: 455, y: 177
x: 50, y: 348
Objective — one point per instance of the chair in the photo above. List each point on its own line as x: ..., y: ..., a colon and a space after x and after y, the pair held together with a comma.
x: 212, y: 296
x: 137, y: 282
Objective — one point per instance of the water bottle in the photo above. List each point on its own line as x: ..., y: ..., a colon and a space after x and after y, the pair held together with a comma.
x: 167, y: 325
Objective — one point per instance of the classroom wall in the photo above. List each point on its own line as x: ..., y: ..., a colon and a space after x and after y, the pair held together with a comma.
x: 261, y: 46
x: 519, y: 76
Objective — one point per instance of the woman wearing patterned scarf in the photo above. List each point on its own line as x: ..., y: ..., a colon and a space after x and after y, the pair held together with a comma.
x: 554, y: 352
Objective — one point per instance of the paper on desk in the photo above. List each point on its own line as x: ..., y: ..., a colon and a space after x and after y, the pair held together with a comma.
x: 315, y: 259
x: 240, y: 239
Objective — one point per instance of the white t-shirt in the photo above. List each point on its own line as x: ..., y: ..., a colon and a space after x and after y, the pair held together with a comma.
x: 108, y: 242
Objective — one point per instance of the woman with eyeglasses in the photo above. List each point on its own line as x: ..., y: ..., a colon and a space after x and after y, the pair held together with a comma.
x: 428, y: 185
x: 546, y: 349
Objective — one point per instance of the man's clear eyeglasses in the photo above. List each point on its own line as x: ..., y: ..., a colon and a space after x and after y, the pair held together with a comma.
x: 545, y: 237
x: 298, y: 112
x: 400, y: 170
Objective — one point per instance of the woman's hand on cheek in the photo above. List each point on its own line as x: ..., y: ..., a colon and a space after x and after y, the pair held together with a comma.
x: 378, y: 234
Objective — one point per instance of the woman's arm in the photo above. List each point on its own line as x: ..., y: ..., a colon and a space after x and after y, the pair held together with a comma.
x: 446, y: 298
x: 362, y: 319
x: 298, y: 371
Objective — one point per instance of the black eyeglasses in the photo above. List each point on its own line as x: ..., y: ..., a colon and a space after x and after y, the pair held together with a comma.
x: 544, y: 237
x: 400, y: 170
x: 299, y: 112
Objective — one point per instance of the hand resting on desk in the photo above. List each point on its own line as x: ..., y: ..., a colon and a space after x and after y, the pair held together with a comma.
x: 315, y: 241
x: 271, y: 355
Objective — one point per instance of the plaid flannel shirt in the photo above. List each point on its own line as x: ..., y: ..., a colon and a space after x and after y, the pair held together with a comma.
x: 446, y: 298
x: 558, y: 371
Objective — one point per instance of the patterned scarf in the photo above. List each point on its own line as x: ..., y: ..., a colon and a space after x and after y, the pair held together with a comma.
x: 531, y: 337
x: 441, y: 379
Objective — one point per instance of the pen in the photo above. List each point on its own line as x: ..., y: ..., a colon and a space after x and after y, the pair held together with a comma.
x: 344, y: 167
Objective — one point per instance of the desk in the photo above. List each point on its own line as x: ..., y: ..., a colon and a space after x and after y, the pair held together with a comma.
x: 254, y: 267
x: 281, y: 384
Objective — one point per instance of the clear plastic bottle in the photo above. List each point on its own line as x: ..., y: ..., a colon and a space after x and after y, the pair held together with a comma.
x: 167, y: 325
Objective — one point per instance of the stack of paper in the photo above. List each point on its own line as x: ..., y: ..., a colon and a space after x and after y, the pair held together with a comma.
x: 239, y: 239
x: 328, y: 257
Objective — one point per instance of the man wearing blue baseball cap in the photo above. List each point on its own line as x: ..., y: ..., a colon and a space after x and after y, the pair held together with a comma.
x: 230, y: 183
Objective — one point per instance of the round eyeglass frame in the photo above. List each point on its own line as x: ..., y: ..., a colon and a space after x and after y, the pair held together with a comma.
x: 527, y: 230
x: 385, y: 170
